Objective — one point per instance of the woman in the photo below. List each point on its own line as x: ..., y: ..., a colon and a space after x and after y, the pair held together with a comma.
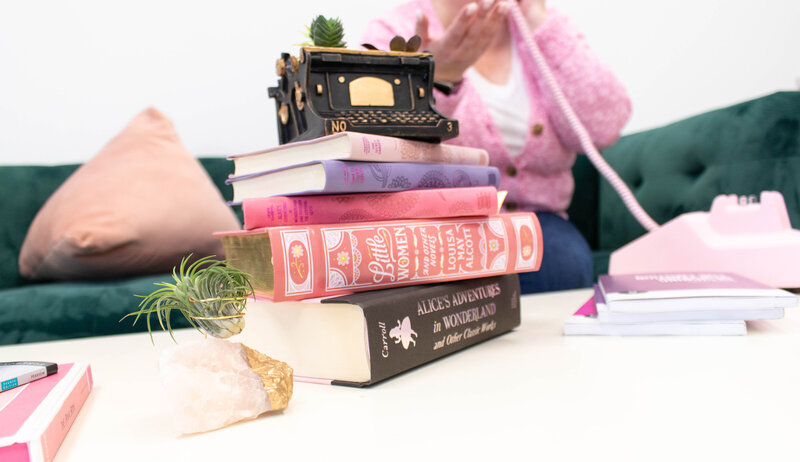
x: 503, y: 106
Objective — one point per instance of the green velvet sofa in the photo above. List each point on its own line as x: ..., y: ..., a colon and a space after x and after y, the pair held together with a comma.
x: 40, y: 311
x: 742, y: 149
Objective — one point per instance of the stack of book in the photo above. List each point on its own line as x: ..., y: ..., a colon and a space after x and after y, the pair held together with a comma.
x: 677, y: 304
x: 371, y: 255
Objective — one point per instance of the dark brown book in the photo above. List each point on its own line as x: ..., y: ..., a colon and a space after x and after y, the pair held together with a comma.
x: 324, y: 340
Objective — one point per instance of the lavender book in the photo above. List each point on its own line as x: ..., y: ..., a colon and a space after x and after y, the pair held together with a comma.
x: 663, y: 292
x: 335, y: 177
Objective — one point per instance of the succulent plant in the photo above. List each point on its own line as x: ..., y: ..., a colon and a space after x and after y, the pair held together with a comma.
x: 326, y: 32
x: 210, y: 294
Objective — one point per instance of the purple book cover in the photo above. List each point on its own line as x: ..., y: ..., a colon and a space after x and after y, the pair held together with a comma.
x: 352, y: 176
x: 356, y: 177
x: 689, y: 284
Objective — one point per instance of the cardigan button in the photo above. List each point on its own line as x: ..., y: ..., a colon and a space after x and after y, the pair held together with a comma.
x: 511, y: 206
x: 511, y: 171
x: 537, y: 129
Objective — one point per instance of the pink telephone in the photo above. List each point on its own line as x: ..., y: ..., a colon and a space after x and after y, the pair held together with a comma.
x: 744, y: 237
x: 739, y: 236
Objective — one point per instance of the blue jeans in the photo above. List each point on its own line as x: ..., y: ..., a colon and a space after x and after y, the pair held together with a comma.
x: 566, y: 261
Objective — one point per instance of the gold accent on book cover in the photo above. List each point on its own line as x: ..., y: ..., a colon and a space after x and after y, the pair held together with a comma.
x: 252, y: 254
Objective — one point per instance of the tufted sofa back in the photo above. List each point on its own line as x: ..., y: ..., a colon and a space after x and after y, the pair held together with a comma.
x: 742, y: 149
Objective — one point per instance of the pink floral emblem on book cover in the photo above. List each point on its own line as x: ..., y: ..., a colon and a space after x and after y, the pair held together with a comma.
x: 299, y: 264
x: 530, y: 243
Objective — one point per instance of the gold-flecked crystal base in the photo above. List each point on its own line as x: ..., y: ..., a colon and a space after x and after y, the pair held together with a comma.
x: 277, y: 377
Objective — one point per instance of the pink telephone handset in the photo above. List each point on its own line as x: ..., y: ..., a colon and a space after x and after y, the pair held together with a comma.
x: 752, y: 239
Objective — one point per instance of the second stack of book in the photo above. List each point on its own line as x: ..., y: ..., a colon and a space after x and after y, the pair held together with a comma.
x: 677, y: 304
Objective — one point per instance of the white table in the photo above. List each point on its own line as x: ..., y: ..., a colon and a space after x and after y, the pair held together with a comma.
x: 532, y: 394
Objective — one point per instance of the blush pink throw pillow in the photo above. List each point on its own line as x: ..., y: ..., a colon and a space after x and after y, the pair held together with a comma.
x: 140, y: 205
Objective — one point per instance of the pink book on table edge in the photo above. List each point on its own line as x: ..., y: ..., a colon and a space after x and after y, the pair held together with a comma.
x: 35, y: 418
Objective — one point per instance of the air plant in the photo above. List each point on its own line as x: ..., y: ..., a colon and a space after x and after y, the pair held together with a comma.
x: 326, y: 32
x: 209, y: 293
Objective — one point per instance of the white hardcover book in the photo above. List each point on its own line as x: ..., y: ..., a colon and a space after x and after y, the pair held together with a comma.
x: 586, y: 325
x: 587, y: 321
x: 734, y: 314
x: 359, y: 147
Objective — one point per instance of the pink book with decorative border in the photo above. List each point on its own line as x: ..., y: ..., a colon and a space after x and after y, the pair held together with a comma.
x: 35, y: 418
x: 264, y: 212
x: 322, y: 260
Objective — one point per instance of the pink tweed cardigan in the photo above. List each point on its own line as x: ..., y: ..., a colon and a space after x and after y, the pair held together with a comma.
x: 540, y: 178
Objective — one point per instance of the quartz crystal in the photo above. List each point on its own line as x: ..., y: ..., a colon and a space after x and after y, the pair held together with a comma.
x: 210, y: 384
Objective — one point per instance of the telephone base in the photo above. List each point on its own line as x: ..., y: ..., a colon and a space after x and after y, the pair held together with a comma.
x: 738, y: 236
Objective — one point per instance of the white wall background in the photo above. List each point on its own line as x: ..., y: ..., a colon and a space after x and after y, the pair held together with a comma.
x: 72, y: 74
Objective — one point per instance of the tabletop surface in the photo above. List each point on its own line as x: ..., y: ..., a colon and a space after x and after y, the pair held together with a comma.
x: 531, y: 393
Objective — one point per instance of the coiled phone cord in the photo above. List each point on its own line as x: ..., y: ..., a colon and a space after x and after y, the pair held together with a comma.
x: 583, y: 135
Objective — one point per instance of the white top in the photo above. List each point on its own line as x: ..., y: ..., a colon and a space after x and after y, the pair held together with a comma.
x: 531, y: 391
x: 508, y: 104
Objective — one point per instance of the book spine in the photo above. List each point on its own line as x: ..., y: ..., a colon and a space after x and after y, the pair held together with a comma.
x: 323, y: 260
x: 62, y: 420
x: 378, y: 148
x: 264, y: 212
x: 361, y: 177
x: 407, y: 328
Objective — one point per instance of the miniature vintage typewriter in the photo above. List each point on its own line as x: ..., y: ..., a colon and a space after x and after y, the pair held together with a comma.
x: 329, y: 90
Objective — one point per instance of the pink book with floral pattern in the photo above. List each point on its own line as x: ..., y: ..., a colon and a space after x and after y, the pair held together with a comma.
x: 299, y: 262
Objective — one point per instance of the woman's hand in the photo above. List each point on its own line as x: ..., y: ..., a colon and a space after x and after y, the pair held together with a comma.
x: 465, y: 40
